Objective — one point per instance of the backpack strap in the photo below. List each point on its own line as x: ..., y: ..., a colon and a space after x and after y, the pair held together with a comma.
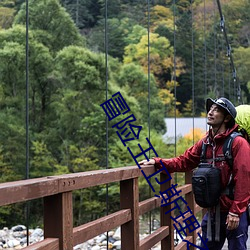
x: 227, y: 148
x: 227, y: 151
x: 203, y: 152
x: 203, y: 158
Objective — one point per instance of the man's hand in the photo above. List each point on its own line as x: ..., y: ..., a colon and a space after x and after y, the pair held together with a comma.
x: 145, y: 162
x: 232, y: 222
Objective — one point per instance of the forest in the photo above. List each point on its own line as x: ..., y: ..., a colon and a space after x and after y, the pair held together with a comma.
x: 164, y: 57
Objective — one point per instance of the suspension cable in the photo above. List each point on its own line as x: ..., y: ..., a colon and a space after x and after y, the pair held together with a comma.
x: 175, y: 95
x: 174, y: 73
x: 229, y: 53
x: 149, y: 121
x: 205, y: 51
x: 192, y: 77
x: 106, y: 82
x: 27, y: 207
x: 148, y: 27
x: 222, y: 68
x: 215, y: 52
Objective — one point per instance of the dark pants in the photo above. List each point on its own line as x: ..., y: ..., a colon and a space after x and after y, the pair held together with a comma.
x: 237, y: 238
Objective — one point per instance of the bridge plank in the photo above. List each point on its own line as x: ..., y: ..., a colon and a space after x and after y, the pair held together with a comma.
x: 154, y: 202
x: 154, y: 238
x: 46, y: 244
x: 91, y: 229
x: 24, y: 190
x: 99, y: 177
x: 183, y: 244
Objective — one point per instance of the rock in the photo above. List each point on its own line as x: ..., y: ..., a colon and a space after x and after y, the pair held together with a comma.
x: 18, y: 228
x: 16, y: 238
x: 111, y: 240
x: 100, y: 238
x: 95, y: 248
x: 117, y: 235
x: 3, y: 233
x: 23, y: 240
x: 91, y: 242
x: 18, y: 247
x: 103, y: 243
x: 117, y: 244
x: 111, y: 233
x: 81, y: 246
x: 13, y: 243
x: 18, y: 234
x: 38, y: 232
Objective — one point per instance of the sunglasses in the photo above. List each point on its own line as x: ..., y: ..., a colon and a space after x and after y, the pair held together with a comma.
x: 221, y: 102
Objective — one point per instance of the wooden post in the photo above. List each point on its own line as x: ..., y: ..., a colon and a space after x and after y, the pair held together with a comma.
x: 58, y: 219
x: 168, y: 242
x: 191, y: 203
x: 129, y: 197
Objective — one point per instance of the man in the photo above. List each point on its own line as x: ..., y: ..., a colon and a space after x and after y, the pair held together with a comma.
x: 221, y: 115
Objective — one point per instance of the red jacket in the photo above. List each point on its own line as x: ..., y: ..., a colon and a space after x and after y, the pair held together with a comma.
x: 241, y: 167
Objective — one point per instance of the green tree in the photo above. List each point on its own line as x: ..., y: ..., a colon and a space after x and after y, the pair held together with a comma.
x: 42, y: 163
x: 6, y: 17
x: 81, y: 90
x: 161, y: 57
x: 40, y: 60
x: 13, y: 148
x: 12, y: 113
x: 53, y: 25
x: 242, y: 64
x: 84, y: 13
x: 135, y: 81
x: 161, y: 16
x: 117, y: 31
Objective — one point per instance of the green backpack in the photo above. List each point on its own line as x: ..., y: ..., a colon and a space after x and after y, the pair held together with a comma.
x: 243, y: 120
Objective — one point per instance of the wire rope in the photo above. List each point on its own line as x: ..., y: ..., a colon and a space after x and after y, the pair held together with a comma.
x: 149, y: 121
x: 148, y: 30
x: 236, y: 83
x: 222, y: 68
x: 205, y: 50
x: 215, y: 52
x: 175, y: 93
x: 27, y: 207
x: 229, y: 84
x: 192, y: 77
x: 174, y: 72
x: 106, y: 82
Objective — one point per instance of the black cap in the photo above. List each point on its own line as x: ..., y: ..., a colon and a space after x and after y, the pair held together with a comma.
x: 223, y: 103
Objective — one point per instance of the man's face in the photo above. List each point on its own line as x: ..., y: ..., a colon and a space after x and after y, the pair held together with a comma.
x: 215, y: 116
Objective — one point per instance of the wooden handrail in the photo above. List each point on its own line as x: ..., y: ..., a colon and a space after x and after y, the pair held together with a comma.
x: 58, y: 208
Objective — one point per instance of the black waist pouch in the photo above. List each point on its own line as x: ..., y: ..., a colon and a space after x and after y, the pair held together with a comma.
x: 206, y: 182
